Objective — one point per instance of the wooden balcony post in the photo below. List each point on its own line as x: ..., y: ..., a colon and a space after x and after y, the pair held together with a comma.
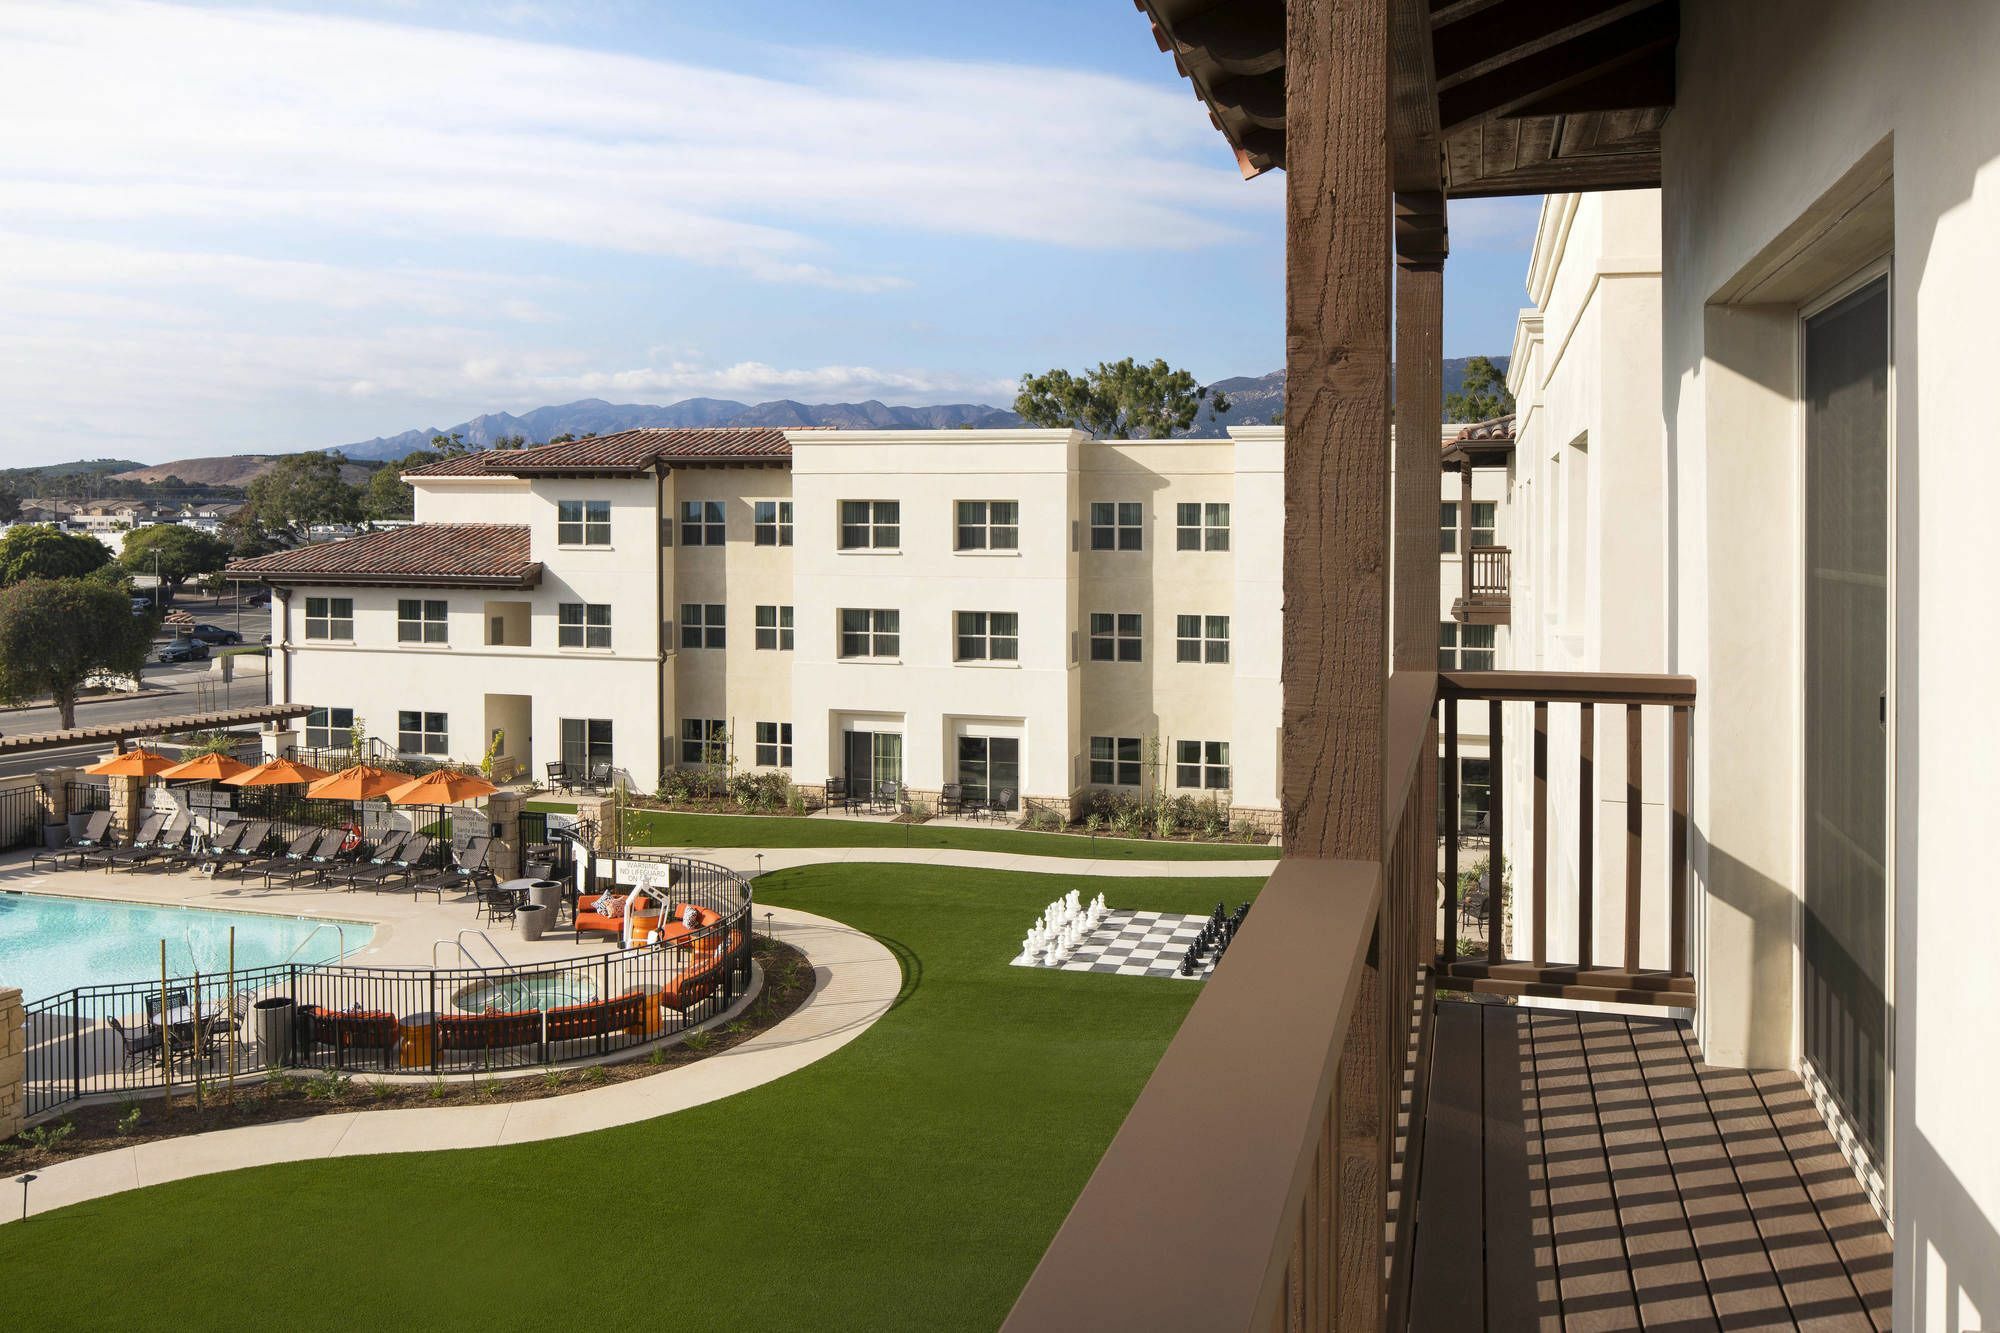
x: 1465, y: 530
x: 1419, y: 403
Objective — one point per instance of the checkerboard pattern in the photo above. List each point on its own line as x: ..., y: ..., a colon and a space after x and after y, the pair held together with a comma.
x: 1136, y: 944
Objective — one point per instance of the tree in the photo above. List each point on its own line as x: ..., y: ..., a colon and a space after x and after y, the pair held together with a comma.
x: 448, y: 445
x: 388, y: 496
x: 510, y: 442
x: 37, y: 551
x: 1120, y: 400
x: 1482, y: 394
x: 55, y: 634
x: 182, y: 553
x: 10, y: 504
x: 301, y: 490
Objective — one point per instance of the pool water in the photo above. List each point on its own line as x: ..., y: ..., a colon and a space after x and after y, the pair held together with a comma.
x: 515, y: 994
x: 50, y: 944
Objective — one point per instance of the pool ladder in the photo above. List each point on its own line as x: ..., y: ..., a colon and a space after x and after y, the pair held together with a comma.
x: 458, y: 942
x: 340, y: 934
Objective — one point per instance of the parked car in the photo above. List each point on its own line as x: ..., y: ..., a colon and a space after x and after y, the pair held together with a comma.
x: 262, y: 597
x: 214, y: 634
x: 141, y: 605
x: 184, y: 650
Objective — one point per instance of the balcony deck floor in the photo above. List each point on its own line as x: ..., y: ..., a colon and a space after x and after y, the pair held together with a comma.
x: 1587, y: 1171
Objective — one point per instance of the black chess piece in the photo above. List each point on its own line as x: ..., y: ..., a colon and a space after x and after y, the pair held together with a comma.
x: 1187, y: 963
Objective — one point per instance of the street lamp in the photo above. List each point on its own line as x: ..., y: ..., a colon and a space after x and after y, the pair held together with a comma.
x: 156, y: 580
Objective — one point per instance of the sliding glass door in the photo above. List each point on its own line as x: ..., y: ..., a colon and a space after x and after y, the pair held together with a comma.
x: 989, y: 770
x: 873, y: 761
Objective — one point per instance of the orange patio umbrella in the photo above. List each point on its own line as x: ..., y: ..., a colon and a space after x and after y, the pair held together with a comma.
x: 358, y: 782
x: 137, y: 762
x: 205, y: 768
x: 276, y: 773
x: 444, y: 786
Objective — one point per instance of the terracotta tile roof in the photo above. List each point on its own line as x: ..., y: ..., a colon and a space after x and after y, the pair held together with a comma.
x: 1495, y: 431
x: 420, y: 555
x: 627, y: 451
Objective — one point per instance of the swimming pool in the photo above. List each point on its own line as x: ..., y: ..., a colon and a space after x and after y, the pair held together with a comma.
x: 50, y: 944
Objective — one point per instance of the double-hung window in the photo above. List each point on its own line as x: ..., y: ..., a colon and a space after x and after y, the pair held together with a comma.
x: 701, y: 625
x: 420, y: 620
x: 330, y: 618
x: 989, y: 525
x: 329, y: 728
x: 1482, y: 525
x: 774, y: 628
x: 774, y: 745
x: 701, y: 523
x: 1114, y: 761
x: 1201, y: 527
x: 583, y: 625
x: 871, y: 525
x: 704, y: 740
x: 1464, y: 647
x: 989, y: 636
x: 771, y: 522
x: 1117, y: 525
x: 1201, y: 764
x: 1201, y: 638
x: 870, y: 632
x: 422, y: 733
x: 583, y: 523
x: 1116, y: 637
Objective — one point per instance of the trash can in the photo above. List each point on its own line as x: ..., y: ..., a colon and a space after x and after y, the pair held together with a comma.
x: 273, y: 1018
x: 546, y: 893
x: 54, y: 834
x: 530, y: 920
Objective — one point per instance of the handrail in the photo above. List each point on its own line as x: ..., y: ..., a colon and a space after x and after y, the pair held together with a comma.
x: 458, y: 942
x: 323, y: 925
x: 1600, y: 687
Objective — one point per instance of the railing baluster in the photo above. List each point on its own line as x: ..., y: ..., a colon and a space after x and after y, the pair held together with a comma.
x: 1678, y: 928
x: 1496, y: 859
x: 1454, y: 804
x: 1586, y: 818
x: 1539, y: 927
x: 1635, y: 820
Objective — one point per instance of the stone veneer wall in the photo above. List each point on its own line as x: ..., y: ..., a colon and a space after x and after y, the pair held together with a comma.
x: 13, y: 1063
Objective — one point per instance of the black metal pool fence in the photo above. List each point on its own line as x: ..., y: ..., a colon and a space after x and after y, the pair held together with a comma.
x: 142, y: 1036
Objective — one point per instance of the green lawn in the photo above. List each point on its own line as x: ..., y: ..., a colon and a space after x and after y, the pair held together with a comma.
x: 664, y: 828
x: 909, y: 1180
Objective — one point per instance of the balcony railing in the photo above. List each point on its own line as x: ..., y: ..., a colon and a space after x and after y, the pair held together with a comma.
x: 1485, y: 596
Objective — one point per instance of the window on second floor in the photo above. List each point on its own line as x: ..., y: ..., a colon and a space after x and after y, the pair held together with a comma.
x: 771, y: 522
x: 702, y: 523
x: 1116, y: 637
x: 1483, y: 516
x: 420, y: 621
x: 871, y: 525
x: 422, y: 733
x: 774, y: 744
x: 1201, y: 638
x: 774, y: 628
x: 870, y: 632
x: 329, y: 728
x: 989, y: 636
x: 330, y: 618
x: 583, y: 523
x: 701, y: 625
x: 583, y: 625
x: 1464, y: 647
x: 1201, y: 527
x: 1117, y: 525
x: 989, y: 525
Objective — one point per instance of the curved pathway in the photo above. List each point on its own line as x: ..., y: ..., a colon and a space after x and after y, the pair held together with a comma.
x: 744, y: 860
x: 856, y: 982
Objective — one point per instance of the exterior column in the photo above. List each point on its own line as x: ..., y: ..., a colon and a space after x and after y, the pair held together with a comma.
x: 1419, y: 406
x: 13, y: 1063
x: 503, y: 812
x: 1465, y: 531
x: 599, y: 810
x: 128, y: 797
x: 52, y: 793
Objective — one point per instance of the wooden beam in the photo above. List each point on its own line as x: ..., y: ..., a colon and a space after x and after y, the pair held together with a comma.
x: 1256, y: 98
x: 1419, y: 403
x: 1481, y: 42
x: 1422, y: 239
x: 1416, y: 148
x: 1239, y: 38
x: 1581, y: 60
x: 1627, y: 88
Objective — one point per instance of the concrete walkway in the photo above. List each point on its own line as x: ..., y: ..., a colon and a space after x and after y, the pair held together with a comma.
x: 744, y: 861
x: 856, y: 980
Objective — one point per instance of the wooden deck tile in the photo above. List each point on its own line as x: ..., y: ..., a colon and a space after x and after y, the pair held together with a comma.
x: 1592, y: 1270
x: 1521, y: 1290
x: 1450, y: 1210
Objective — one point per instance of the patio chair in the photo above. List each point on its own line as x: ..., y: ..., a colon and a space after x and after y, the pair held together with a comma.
x: 888, y: 796
x: 248, y: 846
x: 138, y: 1047
x: 495, y: 904
x: 1002, y: 806
x: 401, y: 863
x: 169, y: 840
x: 149, y: 829
x: 314, y: 864
x: 88, y: 838
x: 600, y: 777
x: 951, y: 799
x: 558, y: 776
x: 467, y: 871
x: 298, y: 849
x: 836, y: 794
x: 176, y: 999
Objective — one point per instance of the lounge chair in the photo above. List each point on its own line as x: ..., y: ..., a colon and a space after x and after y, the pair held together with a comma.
x: 298, y: 849
x: 467, y: 871
x: 139, y: 1047
x: 218, y: 844
x: 401, y: 863
x: 149, y: 829
x: 88, y: 838
x: 313, y: 864
x: 249, y: 842
x: 164, y: 843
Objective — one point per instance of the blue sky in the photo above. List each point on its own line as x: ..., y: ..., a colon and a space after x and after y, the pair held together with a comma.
x: 227, y: 227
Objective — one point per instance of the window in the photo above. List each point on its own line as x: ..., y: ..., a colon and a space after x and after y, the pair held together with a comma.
x: 583, y: 625
x: 586, y: 744
x: 1201, y: 527
x: 989, y: 772
x: 1482, y: 522
x: 420, y: 621
x: 1474, y: 795
x: 871, y: 633
x: 1201, y: 638
x: 1483, y: 512
x: 1115, y: 638
x: 330, y: 618
x: 989, y: 636
x: 1464, y: 647
x: 701, y: 625
x: 774, y: 744
x: 1114, y: 761
x: 871, y: 525
x: 1201, y: 764
x: 701, y: 523
x: 774, y: 628
x: 989, y: 525
x: 329, y: 728
x: 421, y: 733
x: 1117, y: 527
x: 583, y: 522
x: 703, y: 740
x: 771, y: 522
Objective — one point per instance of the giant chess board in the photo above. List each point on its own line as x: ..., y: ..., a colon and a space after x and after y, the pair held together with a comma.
x: 1135, y: 944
